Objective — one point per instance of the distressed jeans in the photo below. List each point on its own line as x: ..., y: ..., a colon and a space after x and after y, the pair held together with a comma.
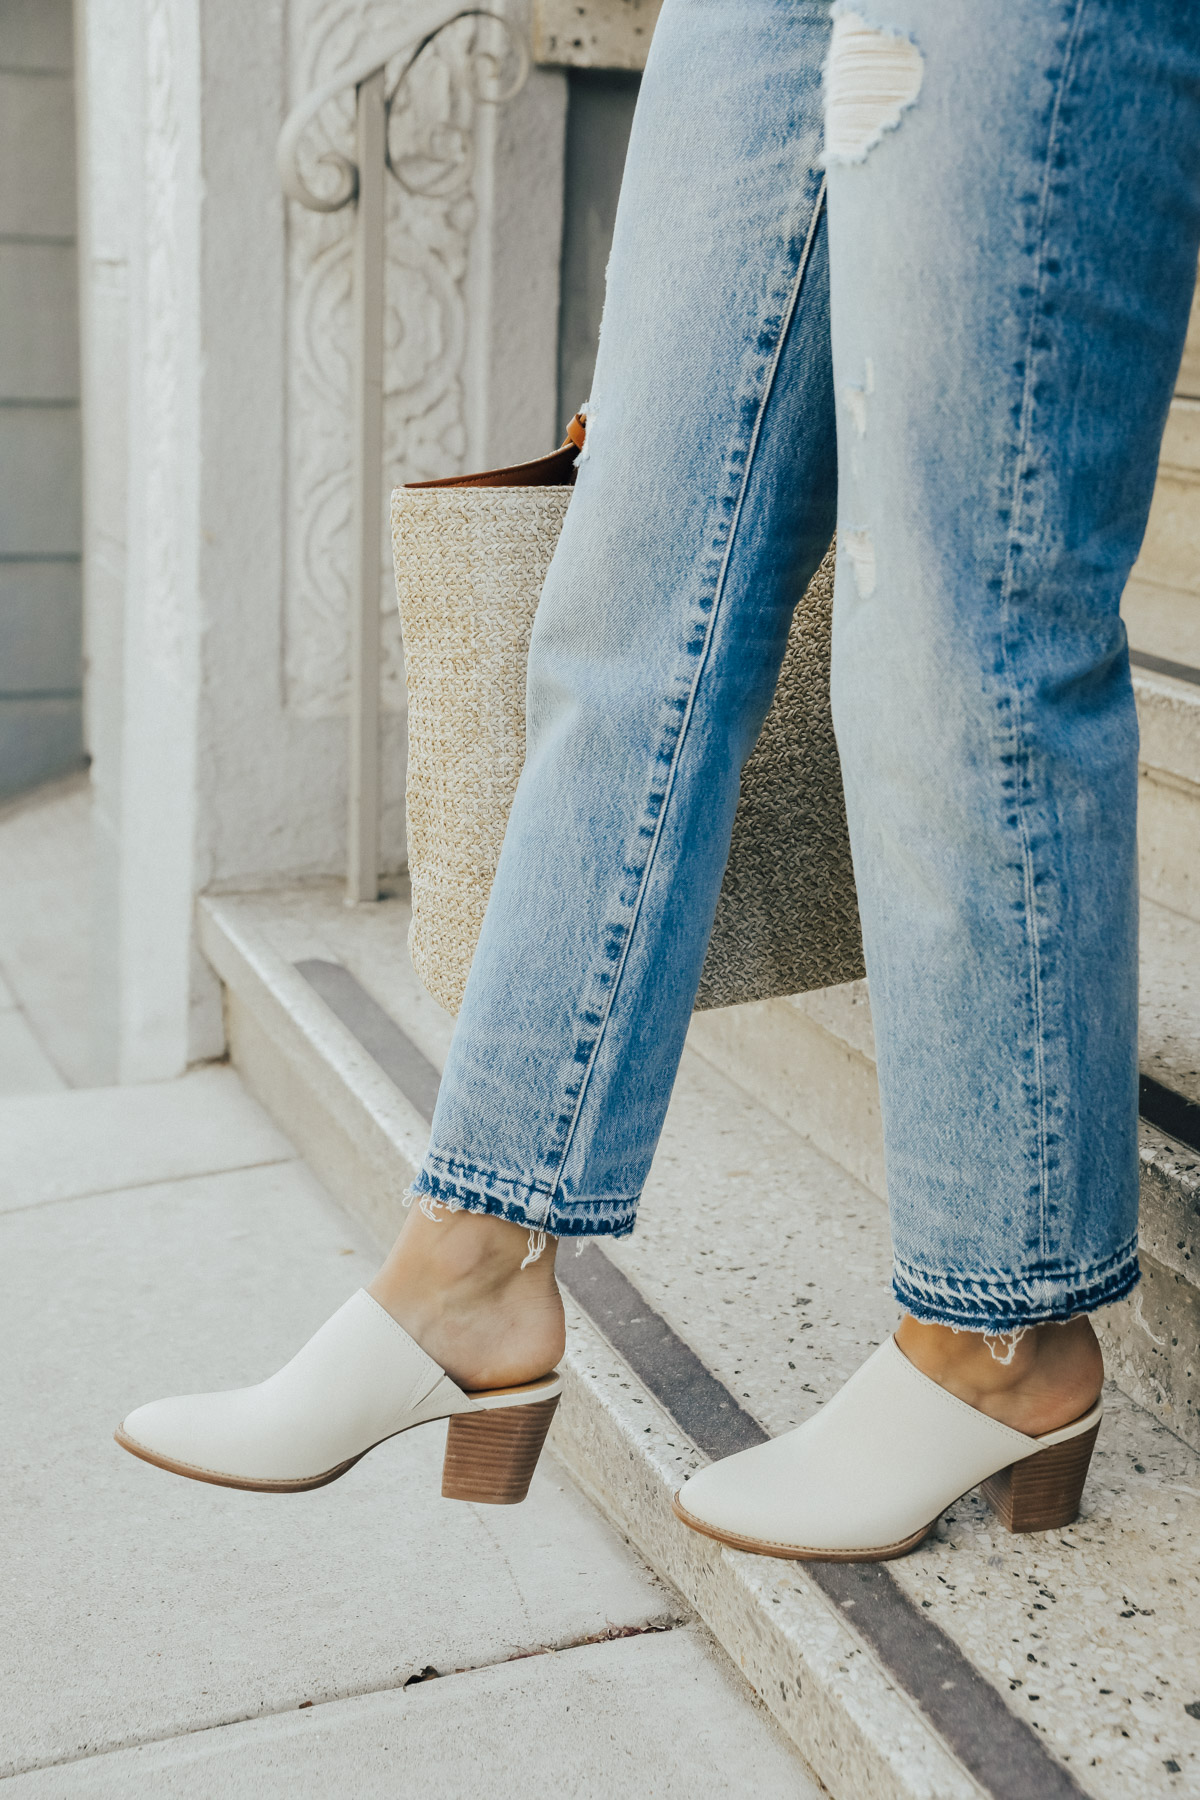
x: 948, y: 318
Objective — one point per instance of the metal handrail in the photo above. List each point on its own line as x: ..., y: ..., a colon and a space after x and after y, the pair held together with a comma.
x: 361, y: 182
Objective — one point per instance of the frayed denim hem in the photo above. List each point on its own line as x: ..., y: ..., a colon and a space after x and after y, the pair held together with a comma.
x: 996, y: 1306
x: 524, y: 1204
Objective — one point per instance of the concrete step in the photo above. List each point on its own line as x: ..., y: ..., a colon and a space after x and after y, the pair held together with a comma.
x: 1161, y: 607
x: 757, y: 1280
x: 811, y: 1060
x: 1169, y: 561
x: 1169, y: 781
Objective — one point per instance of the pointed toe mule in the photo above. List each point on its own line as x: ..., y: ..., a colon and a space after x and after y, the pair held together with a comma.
x: 867, y: 1477
x: 359, y: 1381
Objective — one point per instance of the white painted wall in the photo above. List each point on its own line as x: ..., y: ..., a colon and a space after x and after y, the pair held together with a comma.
x: 216, y: 384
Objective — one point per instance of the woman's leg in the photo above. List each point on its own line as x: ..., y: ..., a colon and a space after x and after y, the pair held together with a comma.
x: 1014, y: 199
x: 704, y: 502
x: 1014, y: 202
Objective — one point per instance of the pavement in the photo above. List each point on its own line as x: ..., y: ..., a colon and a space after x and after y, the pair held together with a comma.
x: 164, y: 1637
x: 46, y: 903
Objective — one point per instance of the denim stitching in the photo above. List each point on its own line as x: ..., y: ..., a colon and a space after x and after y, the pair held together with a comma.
x: 1012, y: 550
x: 612, y: 1215
x: 619, y: 934
x: 506, y: 1187
x: 1000, y: 1302
x: 459, y: 1184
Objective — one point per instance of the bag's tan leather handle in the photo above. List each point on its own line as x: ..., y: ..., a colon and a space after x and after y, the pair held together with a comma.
x: 555, y: 470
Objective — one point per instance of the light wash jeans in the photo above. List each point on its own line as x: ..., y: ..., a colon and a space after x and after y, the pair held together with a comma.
x: 1003, y: 267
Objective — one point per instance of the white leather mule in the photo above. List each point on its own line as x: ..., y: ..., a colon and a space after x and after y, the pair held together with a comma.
x: 866, y: 1478
x: 361, y: 1379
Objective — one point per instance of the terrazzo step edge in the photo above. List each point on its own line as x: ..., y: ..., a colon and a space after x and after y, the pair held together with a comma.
x: 809, y: 1059
x: 848, y: 1720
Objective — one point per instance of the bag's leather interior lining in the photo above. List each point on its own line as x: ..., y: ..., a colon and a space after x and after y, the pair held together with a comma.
x: 555, y: 470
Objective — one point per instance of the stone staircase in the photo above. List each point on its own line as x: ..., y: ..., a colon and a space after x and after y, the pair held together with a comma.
x: 1018, y: 1668
x: 756, y: 1282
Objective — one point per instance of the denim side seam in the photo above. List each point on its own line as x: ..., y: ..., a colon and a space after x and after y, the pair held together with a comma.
x: 1004, y: 1303
x: 618, y: 933
x: 463, y: 1188
x: 1018, y: 761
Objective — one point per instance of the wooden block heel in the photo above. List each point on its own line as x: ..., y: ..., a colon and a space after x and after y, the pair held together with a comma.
x: 491, y: 1456
x: 1043, y: 1492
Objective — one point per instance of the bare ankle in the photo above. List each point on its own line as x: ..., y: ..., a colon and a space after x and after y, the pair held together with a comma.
x: 457, y: 1284
x: 456, y: 1246
x: 1035, y: 1381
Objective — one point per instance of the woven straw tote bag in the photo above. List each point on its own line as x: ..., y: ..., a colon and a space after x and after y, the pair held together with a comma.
x: 471, y: 555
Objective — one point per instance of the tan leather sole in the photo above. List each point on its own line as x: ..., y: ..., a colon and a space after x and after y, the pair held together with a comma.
x: 216, y: 1479
x: 797, y: 1553
x: 490, y: 1455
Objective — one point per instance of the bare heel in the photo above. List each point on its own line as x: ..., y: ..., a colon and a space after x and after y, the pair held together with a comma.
x: 491, y: 1456
x: 1043, y: 1492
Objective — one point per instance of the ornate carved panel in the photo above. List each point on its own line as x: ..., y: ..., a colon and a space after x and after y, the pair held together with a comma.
x: 429, y: 243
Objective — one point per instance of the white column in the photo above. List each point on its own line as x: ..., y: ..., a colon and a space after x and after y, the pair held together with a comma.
x: 182, y: 307
x: 162, y: 628
x: 139, y: 160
